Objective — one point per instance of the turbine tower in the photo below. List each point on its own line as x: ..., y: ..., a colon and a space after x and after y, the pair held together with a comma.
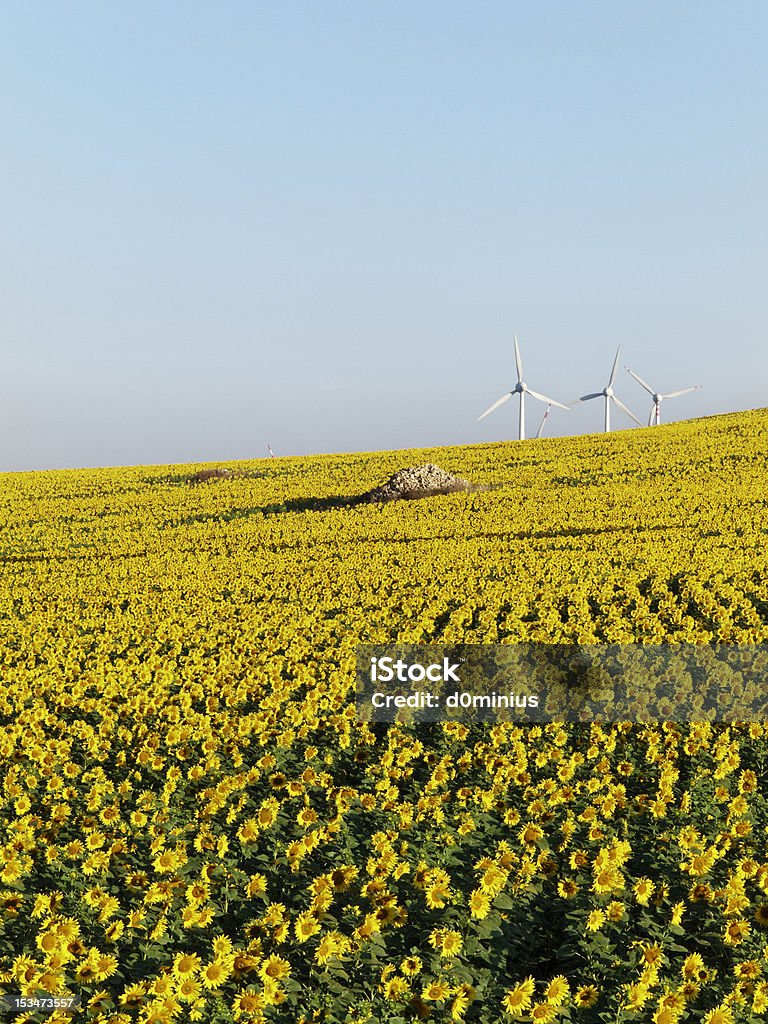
x: 521, y: 389
x: 655, y: 418
x: 609, y: 396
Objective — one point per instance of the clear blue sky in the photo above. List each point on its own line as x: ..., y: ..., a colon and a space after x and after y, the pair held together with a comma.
x: 318, y: 224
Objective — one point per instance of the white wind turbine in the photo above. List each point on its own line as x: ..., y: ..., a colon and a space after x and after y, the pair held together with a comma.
x: 655, y: 418
x: 522, y: 389
x: 609, y: 396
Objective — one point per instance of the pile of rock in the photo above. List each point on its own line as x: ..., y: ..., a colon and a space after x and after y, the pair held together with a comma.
x: 204, y: 475
x: 417, y: 482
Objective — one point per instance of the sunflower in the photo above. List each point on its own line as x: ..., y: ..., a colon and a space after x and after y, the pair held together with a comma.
x: 68, y: 928
x: 50, y: 982
x: 162, y: 986
x: 305, y: 927
x: 275, y: 967
x: 257, y: 885
x: 720, y: 1015
x: 567, y: 888
x: 204, y: 916
x: 586, y: 996
x: 396, y: 989
x: 493, y: 880
x: 272, y: 994
x: 543, y: 1012
x: 700, y: 892
x: 109, y: 908
x: 186, y: 965
x: 518, y: 999
x: 615, y: 911
x: 307, y: 816
x: 222, y: 946
x: 643, y: 890
x: 245, y: 964
x: 95, y: 840
x: 268, y: 813
x: 652, y: 955
x: 115, y: 930
x: 666, y: 1015
x: 12, y: 870
x: 689, y: 990
x: 736, y: 932
x: 557, y: 990
x: 637, y: 996
x: 198, y: 892
x: 530, y: 834
x: 105, y: 966
x: 411, y: 966
x: 85, y: 972
x: 479, y: 905
x: 100, y: 1000
x: 342, y: 877
x: 189, y: 989
x: 462, y: 998
x: 248, y: 831
x: 12, y: 903
x: 437, y: 895
x: 693, y: 968
x: 48, y: 942
x: 133, y: 996
x: 437, y: 992
x: 596, y: 920
x: 749, y: 969
x: 608, y: 880
x: 248, y: 1002
x: 216, y: 973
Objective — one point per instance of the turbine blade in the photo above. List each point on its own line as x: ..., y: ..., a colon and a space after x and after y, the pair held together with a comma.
x: 586, y: 398
x: 549, y: 401
x: 613, y: 369
x: 518, y: 360
x: 682, y: 391
x: 639, y: 380
x: 495, y: 405
x: 543, y: 421
x: 651, y: 415
x: 626, y: 410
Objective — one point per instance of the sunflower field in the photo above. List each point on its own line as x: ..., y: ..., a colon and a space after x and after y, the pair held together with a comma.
x: 195, y: 826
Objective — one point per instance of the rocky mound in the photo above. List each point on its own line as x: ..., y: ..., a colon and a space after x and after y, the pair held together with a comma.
x: 204, y: 475
x: 417, y: 482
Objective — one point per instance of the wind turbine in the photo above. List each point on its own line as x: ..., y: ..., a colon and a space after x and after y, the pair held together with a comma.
x: 544, y: 419
x: 522, y: 389
x: 609, y: 396
x: 655, y: 418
